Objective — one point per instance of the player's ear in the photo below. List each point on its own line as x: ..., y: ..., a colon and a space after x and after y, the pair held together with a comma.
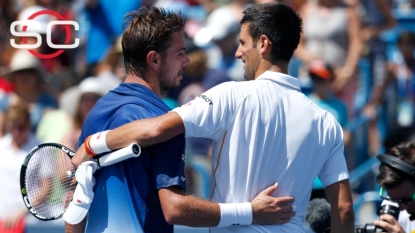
x: 264, y: 44
x: 154, y: 60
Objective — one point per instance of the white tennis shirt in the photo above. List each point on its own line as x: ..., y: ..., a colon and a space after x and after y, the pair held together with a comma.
x: 266, y: 131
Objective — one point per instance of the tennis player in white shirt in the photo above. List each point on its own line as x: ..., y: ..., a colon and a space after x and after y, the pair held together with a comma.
x: 264, y: 130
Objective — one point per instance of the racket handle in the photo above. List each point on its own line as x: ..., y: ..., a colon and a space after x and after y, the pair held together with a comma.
x: 130, y: 151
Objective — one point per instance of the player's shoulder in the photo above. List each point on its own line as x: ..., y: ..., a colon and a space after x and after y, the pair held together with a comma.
x: 131, y: 112
x: 322, y: 115
x: 233, y: 88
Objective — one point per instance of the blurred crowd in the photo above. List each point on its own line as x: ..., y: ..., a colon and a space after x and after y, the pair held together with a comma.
x: 356, y: 59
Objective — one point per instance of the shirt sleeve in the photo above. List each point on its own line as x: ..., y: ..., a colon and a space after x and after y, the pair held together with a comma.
x: 209, y: 114
x: 168, y: 162
x: 335, y: 168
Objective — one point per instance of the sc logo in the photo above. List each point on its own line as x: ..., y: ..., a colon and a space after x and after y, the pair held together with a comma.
x: 32, y: 23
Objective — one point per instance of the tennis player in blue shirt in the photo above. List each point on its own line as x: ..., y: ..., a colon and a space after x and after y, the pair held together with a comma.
x: 147, y: 194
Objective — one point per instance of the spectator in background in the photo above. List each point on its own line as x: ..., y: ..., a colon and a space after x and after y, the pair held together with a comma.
x: 91, y: 89
x: 331, y: 34
x: 61, y: 125
x: 223, y: 27
x: 14, y: 147
x: 26, y: 76
x: 376, y: 17
x: 322, y: 77
x: 111, y: 70
x: 105, y: 19
x: 397, y: 93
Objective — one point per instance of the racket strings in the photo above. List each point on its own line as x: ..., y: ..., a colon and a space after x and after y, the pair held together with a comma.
x: 48, y: 185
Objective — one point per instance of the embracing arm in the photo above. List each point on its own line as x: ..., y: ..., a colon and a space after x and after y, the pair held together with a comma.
x: 342, y: 215
x: 192, y: 211
x: 144, y: 132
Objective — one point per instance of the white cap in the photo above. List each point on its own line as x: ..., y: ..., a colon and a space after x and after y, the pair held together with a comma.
x: 83, y: 195
x: 93, y: 85
x: 222, y: 22
x: 43, y: 19
x: 22, y: 60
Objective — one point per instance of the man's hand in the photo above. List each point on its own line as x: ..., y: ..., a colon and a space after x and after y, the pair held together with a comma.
x: 80, y: 156
x: 271, y: 210
x: 389, y: 224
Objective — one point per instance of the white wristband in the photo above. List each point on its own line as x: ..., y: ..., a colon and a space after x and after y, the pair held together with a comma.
x: 235, y: 214
x: 98, y: 142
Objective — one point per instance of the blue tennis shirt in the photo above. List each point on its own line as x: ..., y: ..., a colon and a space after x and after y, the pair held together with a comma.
x: 126, y: 198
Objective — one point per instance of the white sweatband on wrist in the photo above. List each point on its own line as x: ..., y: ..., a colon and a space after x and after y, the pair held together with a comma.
x: 98, y: 142
x: 235, y: 214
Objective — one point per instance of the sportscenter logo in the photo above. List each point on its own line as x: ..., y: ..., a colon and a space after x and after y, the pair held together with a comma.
x: 31, y: 23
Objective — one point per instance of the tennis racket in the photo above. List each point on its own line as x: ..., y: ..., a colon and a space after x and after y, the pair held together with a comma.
x: 47, y: 177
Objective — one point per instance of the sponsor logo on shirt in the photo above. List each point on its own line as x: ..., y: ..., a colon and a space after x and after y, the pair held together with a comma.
x: 205, y: 98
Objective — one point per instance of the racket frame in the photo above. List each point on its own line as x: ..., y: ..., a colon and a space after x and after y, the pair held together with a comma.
x: 23, y: 169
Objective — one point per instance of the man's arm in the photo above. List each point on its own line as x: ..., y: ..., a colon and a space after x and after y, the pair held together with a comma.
x: 340, y: 198
x: 144, y: 132
x: 192, y: 211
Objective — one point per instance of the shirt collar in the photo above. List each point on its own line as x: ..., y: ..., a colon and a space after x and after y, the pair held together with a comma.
x: 281, y: 78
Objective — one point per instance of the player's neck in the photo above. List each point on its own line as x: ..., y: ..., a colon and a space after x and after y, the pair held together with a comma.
x: 280, y: 67
x: 131, y: 78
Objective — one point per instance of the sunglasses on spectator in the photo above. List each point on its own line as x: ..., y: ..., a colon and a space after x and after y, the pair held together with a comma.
x: 406, y: 200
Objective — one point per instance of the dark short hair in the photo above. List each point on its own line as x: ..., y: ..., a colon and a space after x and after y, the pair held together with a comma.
x: 148, y: 30
x: 279, y: 22
x: 390, y: 177
x: 17, y: 112
x: 407, y: 36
